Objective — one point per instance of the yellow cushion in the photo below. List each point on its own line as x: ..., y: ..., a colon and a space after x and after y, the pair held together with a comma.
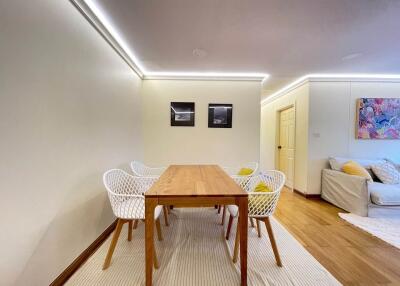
x: 262, y: 187
x: 353, y: 168
x: 257, y: 203
x: 245, y: 172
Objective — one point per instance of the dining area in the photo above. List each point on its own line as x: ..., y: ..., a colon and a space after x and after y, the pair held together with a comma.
x: 196, y: 225
x: 148, y: 192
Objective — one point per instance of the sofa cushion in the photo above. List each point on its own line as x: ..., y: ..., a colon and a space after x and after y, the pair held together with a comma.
x: 337, y: 162
x: 384, y: 195
x: 353, y: 168
x: 387, y: 173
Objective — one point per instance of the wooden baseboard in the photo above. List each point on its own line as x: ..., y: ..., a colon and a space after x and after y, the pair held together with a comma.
x: 70, y: 270
x: 307, y: 196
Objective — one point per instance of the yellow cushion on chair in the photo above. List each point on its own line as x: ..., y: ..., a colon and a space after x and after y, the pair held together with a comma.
x: 256, y: 203
x: 262, y: 187
x: 353, y: 168
x: 245, y: 172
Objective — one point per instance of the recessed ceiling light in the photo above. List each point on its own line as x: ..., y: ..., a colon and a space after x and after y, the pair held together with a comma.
x: 199, y: 53
x: 351, y: 56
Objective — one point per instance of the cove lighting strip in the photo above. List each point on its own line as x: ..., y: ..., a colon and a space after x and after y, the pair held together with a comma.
x: 206, y: 75
x: 103, y: 25
x: 331, y: 77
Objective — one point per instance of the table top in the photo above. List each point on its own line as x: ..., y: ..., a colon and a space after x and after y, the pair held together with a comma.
x: 195, y: 181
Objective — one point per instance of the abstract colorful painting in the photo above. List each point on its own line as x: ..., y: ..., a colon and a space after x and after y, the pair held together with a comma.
x: 378, y: 118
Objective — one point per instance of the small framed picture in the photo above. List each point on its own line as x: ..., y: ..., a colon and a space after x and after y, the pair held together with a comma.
x: 219, y: 115
x: 182, y: 113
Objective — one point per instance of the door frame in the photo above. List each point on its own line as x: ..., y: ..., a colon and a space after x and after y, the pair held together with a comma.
x: 277, y: 138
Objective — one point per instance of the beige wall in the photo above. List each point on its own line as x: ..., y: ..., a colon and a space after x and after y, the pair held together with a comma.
x: 165, y: 144
x: 69, y: 110
x: 332, y: 125
x: 269, y: 132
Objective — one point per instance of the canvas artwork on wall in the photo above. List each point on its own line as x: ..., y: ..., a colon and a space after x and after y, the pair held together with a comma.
x: 219, y: 115
x: 182, y: 113
x: 378, y: 118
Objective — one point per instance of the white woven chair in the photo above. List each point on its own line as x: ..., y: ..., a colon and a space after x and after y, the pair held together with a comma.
x: 261, y: 206
x: 127, y: 201
x: 233, y: 172
x: 141, y: 170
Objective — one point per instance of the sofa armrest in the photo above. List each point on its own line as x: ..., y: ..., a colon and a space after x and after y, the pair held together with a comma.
x: 345, y: 191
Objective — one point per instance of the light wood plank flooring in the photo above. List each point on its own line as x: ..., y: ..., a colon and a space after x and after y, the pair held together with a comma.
x: 353, y: 256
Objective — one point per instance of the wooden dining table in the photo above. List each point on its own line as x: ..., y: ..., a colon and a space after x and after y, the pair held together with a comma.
x: 195, y: 186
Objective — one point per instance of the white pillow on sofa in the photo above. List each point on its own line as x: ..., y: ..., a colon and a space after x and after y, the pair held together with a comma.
x: 396, y: 164
x: 387, y: 173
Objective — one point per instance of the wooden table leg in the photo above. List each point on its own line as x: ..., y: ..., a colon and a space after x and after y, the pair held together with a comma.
x: 243, y: 221
x: 150, y: 204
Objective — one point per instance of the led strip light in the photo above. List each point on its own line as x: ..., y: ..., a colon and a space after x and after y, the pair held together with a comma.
x: 103, y: 25
x: 350, y: 76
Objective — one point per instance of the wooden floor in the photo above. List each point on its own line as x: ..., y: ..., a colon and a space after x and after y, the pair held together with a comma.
x: 353, y: 256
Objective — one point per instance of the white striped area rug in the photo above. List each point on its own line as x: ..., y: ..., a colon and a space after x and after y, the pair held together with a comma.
x: 195, y: 252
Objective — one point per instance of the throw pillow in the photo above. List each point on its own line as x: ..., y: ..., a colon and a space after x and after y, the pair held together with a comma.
x: 397, y: 165
x: 257, y: 204
x: 245, y: 172
x: 387, y: 173
x: 262, y: 187
x: 353, y: 168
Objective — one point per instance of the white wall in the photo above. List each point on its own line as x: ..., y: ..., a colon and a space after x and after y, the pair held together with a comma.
x: 69, y: 110
x: 269, y: 133
x: 325, y: 126
x: 165, y: 144
x: 333, y: 121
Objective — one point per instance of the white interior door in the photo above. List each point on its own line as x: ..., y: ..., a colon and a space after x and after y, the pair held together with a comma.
x: 286, y: 145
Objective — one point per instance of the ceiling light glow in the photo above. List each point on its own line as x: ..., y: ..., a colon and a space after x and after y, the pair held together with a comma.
x: 114, y: 33
x: 145, y: 74
x: 350, y: 76
x: 208, y: 75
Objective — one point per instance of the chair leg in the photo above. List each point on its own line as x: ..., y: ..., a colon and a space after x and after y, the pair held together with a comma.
x: 155, y: 262
x: 273, y: 242
x: 113, y: 243
x: 223, y: 215
x: 158, y: 227
x: 165, y: 211
x: 135, y: 224
x: 251, y: 222
x: 228, y: 230
x: 236, y: 248
x: 258, y: 228
x: 219, y: 209
x: 130, y: 230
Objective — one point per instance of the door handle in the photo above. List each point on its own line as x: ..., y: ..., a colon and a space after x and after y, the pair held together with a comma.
x: 279, y: 147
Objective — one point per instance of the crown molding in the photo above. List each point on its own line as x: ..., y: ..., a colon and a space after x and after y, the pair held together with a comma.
x: 330, y: 78
x: 115, y: 42
x: 134, y: 64
x: 206, y: 76
x: 92, y: 18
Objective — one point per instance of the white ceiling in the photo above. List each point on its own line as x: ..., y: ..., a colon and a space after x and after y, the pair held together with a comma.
x: 285, y: 38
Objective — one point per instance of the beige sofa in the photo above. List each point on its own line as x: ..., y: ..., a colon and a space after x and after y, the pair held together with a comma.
x: 355, y: 194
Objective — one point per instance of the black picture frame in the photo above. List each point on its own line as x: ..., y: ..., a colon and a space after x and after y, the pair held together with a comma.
x: 220, y: 115
x: 182, y: 113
